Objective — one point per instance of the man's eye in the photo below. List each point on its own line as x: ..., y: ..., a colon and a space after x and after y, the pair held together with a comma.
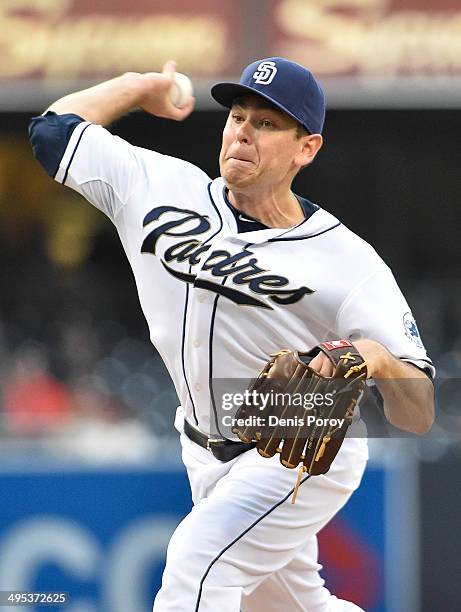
x: 267, y: 123
x: 237, y: 118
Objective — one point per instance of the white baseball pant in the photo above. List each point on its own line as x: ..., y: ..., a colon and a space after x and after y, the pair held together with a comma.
x: 245, y: 546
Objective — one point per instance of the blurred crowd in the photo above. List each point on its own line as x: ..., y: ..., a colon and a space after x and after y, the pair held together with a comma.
x: 100, y: 407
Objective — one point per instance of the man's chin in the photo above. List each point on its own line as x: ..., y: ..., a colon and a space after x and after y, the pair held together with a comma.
x: 235, y: 182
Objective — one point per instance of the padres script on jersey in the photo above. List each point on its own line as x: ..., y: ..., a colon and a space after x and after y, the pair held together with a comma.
x: 218, y: 301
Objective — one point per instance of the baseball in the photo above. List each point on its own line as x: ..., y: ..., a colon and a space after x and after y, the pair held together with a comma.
x: 181, y: 90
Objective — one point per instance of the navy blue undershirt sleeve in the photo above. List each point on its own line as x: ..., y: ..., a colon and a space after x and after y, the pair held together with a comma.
x: 49, y: 135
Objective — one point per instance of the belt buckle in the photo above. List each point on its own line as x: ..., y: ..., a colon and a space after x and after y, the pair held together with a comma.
x: 211, y: 441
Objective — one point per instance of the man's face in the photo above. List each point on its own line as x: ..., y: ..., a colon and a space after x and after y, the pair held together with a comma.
x: 259, y: 146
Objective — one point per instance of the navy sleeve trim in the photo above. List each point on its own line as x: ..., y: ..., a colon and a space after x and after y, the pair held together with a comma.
x: 73, y: 154
x: 426, y: 371
x: 49, y: 136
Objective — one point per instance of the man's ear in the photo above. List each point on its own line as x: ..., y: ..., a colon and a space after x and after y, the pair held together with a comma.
x: 310, y: 146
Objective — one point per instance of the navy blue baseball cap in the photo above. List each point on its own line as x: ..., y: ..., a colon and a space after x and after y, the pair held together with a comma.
x: 288, y: 85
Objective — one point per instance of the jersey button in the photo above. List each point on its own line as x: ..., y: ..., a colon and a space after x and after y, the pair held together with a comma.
x: 198, y: 387
x: 201, y: 297
x: 197, y: 343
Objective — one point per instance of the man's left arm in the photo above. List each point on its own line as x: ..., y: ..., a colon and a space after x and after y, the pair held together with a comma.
x: 407, y: 391
x: 377, y: 319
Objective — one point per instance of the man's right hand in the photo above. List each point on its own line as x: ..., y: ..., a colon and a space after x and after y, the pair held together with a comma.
x: 156, y: 100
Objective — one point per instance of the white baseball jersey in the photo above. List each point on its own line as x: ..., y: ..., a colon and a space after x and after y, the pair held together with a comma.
x: 217, y: 301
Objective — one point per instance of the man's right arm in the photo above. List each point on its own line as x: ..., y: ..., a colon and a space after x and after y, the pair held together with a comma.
x: 108, y: 101
x: 70, y: 142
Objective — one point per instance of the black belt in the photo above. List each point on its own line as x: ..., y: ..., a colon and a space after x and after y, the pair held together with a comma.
x: 221, y: 449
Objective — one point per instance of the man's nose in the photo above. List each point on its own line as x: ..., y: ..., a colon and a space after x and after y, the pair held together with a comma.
x: 244, y: 132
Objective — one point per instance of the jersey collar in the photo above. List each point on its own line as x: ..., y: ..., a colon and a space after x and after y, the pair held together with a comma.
x: 316, y: 222
x: 245, y: 223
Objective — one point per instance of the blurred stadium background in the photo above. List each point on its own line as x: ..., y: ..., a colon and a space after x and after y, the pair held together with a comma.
x: 90, y: 475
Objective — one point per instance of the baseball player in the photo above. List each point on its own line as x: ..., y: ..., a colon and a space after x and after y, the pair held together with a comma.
x: 229, y: 271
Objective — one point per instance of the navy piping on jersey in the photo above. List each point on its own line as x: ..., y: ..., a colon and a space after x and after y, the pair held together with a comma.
x: 63, y: 182
x: 210, y: 361
x: 309, y: 209
x: 235, y: 540
x: 210, y: 346
x: 290, y: 229
x: 210, y: 352
x: 186, y: 303
x: 287, y: 238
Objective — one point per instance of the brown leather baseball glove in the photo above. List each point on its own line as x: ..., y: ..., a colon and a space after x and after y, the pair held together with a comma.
x: 297, y: 412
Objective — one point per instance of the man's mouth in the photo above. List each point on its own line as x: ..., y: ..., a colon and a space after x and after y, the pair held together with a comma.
x: 239, y: 159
